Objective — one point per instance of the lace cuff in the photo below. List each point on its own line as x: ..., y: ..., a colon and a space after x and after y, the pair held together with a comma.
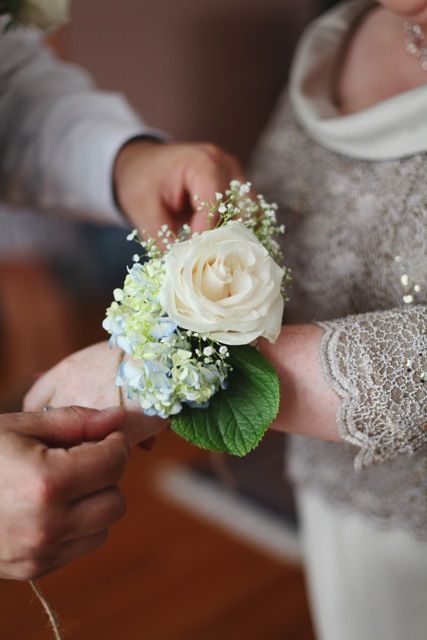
x: 377, y: 364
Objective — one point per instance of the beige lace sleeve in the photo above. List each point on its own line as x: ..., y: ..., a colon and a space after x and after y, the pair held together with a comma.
x: 377, y: 364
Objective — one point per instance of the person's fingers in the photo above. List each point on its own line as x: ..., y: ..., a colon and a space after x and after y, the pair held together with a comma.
x: 66, y: 553
x: 70, y: 474
x: 216, y: 176
x: 75, y: 548
x: 89, y: 467
x: 153, y: 213
x: 204, y: 179
x: 94, y: 513
x: 139, y: 427
x: 64, y: 427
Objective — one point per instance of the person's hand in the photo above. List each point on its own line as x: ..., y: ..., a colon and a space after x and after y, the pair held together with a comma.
x: 156, y: 183
x: 87, y: 378
x: 58, y: 487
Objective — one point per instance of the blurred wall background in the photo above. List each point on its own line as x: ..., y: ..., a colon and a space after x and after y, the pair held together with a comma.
x: 200, y: 69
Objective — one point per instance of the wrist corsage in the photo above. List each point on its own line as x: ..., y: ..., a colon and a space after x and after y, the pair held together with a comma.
x: 188, y: 317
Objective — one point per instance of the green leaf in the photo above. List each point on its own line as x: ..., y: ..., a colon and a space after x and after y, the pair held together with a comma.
x: 237, y: 417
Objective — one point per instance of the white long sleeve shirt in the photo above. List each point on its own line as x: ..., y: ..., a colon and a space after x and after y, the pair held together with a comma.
x: 59, y: 134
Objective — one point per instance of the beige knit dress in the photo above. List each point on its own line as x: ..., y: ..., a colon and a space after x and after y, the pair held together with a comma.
x: 352, y: 191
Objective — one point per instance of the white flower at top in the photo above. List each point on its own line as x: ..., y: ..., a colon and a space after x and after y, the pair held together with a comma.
x: 224, y: 285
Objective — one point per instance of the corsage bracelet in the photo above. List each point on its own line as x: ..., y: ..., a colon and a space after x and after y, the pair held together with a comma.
x: 188, y: 317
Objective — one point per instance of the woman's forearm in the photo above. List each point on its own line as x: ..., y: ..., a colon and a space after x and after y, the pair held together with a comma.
x: 308, y: 405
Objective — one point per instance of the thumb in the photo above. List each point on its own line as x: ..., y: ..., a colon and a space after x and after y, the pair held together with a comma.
x: 200, y: 222
x: 65, y: 427
x: 149, y: 215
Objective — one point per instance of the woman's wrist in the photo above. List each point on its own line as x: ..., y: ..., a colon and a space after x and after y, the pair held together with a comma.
x: 308, y: 405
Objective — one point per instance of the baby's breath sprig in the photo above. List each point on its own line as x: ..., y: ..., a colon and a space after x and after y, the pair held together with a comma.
x: 149, y: 245
x: 210, y: 351
x: 258, y: 215
x: 155, y: 248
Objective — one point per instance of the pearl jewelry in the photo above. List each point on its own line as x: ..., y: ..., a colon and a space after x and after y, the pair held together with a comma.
x: 415, y: 41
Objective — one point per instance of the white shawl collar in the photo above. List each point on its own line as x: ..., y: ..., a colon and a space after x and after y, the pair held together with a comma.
x: 390, y: 129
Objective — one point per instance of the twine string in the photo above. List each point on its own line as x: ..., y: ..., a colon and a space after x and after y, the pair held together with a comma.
x: 120, y: 387
x: 51, y: 615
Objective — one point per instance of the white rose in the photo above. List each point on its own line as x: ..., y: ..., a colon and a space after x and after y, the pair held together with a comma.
x: 225, y: 284
x: 46, y: 14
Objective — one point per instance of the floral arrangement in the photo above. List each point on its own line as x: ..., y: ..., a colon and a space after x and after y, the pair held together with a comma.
x: 45, y: 14
x: 188, y: 317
